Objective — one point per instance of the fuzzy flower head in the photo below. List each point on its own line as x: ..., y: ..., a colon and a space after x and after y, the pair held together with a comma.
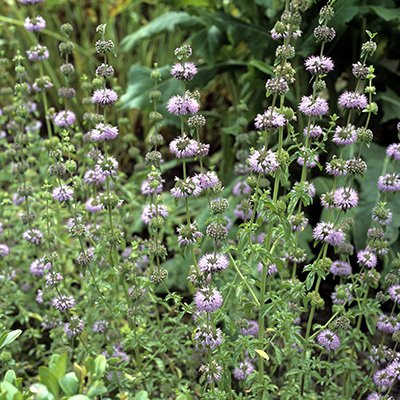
x: 74, y: 327
x: 269, y: 120
x: 251, y: 329
x: 270, y: 270
x: 353, y: 100
x: 188, y: 234
x: 389, y: 183
x: 264, y: 161
x: 243, y: 370
x: 150, y: 211
x: 315, y: 108
x: 326, y: 232
x: 207, y: 335
x: 39, y: 268
x: 367, y: 258
x: 394, y: 292
x: 213, y: 262
x: 315, y: 131
x: 184, y: 147
x: 359, y: 70
x: 211, y: 371
x: 336, y: 166
x: 341, y: 268
x: 179, y: 105
x: 64, y: 118
x: 328, y: 340
x: 388, y: 324
x: 38, y: 52
x: 345, y: 136
x: 341, y: 295
x: 62, y: 193
x: 35, y: 24
x: 393, y: 151
x: 104, y: 97
x: 319, y: 65
x: 63, y: 302
x: 345, y: 198
x: 33, y: 236
x: 103, y: 132
x: 184, y: 72
x: 298, y: 222
x: 208, y: 300
x: 4, y: 250
x: 381, y: 214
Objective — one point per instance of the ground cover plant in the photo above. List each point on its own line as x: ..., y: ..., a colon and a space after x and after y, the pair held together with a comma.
x: 191, y: 215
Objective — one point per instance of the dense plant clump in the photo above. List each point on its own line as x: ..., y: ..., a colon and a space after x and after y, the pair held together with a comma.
x: 150, y: 269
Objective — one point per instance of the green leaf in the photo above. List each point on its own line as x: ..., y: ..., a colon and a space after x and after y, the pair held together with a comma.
x: 390, y: 105
x: 60, y: 366
x: 41, y: 392
x: 49, y: 380
x: 79, y: 397
x: 388, y: 14
x: 96, y: 389
x: 142, y: 395
x: 69, y: 384
x: 9, y: 338
x: 10, y: 377
x: 140, y: 85
x: 371, y: 324
x: 184, y: 397
x: 165, y: 23
x: 100, y: 364
x: 10, y: 389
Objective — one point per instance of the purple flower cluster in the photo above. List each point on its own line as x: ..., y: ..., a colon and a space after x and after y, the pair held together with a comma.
x: 208, y: 300
x: 207, y: 335
x: 4, y: 250
x: 244, y: 369
x: 103, y: 132
x: 63, y: 193
x: 179, y: 105
x: 326, y: 232
x: 184, y: 147
x: 104, y: 97
x: 39, y: 268
x: 184, y: 72
x: 341, y: 268
x: 367, y: 258
x: 388, y: 324
x: 63, y: 302
x: 313, y: 107
x: 319, y: 65
x: 353, y: 100
x: 74, y: 327
x: 389, y: 183
x: 35, y: 24
x: 345, y: 136
x: 150, y: 211
x: 393, y: 151
x: 64, y: 119
x: 38, y: 52
x: 33, y: 236
x: 211, y: 263
x: 263, y: 161
x: 269, y: 120
x: 328, y: 340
